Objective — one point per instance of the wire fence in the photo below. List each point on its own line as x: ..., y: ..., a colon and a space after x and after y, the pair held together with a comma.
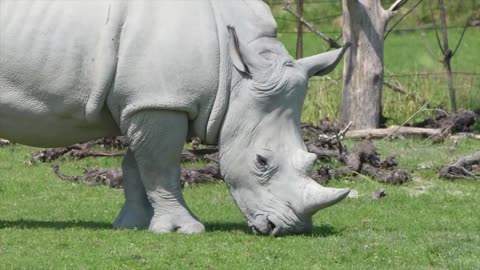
x: 287, y: 26
x: 412, y: 60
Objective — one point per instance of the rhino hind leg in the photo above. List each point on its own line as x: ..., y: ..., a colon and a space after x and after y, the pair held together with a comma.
x: 137, y: 211
x: 156, y: 140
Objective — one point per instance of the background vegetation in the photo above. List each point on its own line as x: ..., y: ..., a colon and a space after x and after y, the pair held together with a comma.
x: 411, y: 58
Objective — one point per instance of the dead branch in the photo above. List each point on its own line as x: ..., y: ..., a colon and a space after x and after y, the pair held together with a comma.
x: 463, y: 168
x: 395, y: 177
x: 461, y: 37
x: 392, y: 131
x: 397, y: 5
x: 193, y: 155
x: 462, y: 121
x: 397, y: 88
x: 114, y: 179
x: 364, y: 160
x: 80, y: 151
x: 402, y: 17
x: 209, y: 173
x: 97, y: 176
x: 331, y: 42
x: 322, y: 152
x: 87, y: 152
x: 336, y: 137
x: 77, y: 151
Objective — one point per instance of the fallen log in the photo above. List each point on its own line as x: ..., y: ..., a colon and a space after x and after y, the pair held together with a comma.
x: 464, y: 168
x: 392, y: 131
x: 463, y: 135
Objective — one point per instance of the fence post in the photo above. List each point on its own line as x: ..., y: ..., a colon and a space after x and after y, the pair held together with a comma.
x: 299, y: 29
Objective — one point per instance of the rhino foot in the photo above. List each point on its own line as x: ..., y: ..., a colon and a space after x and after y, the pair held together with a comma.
x: 176, y: 223
x: 133, y: 217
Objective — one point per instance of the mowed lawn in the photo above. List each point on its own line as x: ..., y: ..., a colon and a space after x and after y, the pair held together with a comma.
x: 429, y: 223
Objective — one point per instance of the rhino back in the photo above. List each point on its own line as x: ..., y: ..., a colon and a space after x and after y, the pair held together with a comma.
x: 75, y: 68
x: 57, y: 61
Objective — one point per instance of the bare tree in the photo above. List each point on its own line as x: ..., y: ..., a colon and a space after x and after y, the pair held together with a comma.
x: 446, y: 51
x: 365, y: 22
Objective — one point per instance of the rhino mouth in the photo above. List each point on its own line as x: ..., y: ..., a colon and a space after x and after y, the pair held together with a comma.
x: 263, y: 227
x: 271, y: 225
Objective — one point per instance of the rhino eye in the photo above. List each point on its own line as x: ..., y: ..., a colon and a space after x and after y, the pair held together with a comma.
x: 261, y: 162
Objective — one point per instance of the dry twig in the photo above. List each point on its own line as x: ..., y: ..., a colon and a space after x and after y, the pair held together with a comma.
x: 331, y: 42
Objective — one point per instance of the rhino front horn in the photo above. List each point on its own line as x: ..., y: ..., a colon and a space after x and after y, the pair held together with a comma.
x: 324, y: 63
x: 317, y: 197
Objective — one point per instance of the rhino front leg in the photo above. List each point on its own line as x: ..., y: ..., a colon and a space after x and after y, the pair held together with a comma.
x: 156, y: 139
x: 137, y: 211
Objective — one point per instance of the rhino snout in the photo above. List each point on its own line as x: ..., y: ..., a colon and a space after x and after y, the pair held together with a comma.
x: 272, y: 225
x: 262, y: 225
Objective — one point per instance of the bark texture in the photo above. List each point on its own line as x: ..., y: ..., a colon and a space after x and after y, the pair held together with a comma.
x: 364, y: 26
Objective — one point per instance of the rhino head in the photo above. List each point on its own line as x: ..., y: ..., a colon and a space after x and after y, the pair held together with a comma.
x: 262, y: 154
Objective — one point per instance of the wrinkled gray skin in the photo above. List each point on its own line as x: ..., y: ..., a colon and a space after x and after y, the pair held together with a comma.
x: 159, y: 72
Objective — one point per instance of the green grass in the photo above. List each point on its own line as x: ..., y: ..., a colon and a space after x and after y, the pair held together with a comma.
x: 47, y: 223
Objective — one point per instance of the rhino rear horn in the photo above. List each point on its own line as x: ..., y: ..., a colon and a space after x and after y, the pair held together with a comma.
x: 244, y: 59
x: 324, y: 63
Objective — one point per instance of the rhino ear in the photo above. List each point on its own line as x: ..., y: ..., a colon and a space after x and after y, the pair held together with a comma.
x: 234, y: 51
x: 322, y: 64
x: 245, y: 60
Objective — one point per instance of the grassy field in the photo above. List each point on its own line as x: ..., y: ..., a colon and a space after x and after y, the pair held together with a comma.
x: 46, y: 223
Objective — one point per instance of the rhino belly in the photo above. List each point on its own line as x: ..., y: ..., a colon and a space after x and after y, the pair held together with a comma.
x: 37, y: 126
x: 48, y: 120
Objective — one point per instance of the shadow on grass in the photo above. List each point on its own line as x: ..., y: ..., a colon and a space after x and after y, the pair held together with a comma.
x: 34, y: 224
x: 325, y: 231
x: 318, y: 231
x: 226, y: 227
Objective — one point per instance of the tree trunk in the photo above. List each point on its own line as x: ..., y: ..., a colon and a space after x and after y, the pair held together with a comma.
x: 364, y: 26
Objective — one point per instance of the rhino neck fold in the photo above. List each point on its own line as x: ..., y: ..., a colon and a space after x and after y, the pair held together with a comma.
x: 220, y: 105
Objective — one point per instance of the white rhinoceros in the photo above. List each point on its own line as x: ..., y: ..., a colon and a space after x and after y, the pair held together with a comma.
x: 158, y: 72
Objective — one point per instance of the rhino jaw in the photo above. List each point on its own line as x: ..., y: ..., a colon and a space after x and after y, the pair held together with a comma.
x: 317, y: 197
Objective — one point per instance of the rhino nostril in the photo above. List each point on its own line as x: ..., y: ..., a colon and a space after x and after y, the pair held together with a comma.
x: 271, y: 225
